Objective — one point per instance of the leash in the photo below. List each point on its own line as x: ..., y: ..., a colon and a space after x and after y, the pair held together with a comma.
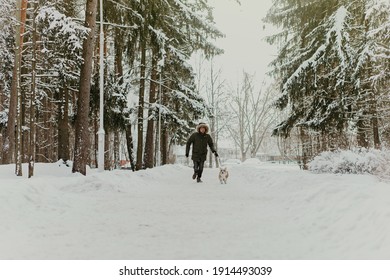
x: 219, y: 161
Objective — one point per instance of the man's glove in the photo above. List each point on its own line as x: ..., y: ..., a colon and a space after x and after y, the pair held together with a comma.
x: 186, y: 155
x: 216, y: 154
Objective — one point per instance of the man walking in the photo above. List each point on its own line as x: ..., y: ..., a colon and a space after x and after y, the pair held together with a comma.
x: 199, y: 141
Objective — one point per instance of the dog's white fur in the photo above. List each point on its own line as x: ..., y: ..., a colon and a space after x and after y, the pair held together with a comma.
x: 223, y: 175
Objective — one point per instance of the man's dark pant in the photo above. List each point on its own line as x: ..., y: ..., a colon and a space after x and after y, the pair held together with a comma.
x: 198, y: 168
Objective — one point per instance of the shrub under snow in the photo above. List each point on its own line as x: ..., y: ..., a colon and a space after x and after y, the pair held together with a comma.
x: 356, y: 161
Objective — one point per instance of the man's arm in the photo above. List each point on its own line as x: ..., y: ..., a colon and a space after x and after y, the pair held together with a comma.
x: 188, y: 145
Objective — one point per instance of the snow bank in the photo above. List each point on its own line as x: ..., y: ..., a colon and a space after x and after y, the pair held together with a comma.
x: 356, y: 161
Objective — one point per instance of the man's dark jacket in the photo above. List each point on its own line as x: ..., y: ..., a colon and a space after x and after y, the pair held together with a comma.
x: 199, y: 143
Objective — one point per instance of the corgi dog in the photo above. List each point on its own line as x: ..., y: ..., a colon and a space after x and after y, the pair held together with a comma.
x: 223, y: 175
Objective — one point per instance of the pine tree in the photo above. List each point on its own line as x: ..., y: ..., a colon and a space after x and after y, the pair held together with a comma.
x: 82, y: 125
x: 7, y: 100
x: 316, y: 62
x: 370, y: 75
x: 61, y: 39
x: 16, y: 86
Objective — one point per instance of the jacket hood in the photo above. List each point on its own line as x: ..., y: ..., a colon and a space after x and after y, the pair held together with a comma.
x: 202, y: 125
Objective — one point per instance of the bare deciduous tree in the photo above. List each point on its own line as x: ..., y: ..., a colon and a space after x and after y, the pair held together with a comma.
x: 253, y: 116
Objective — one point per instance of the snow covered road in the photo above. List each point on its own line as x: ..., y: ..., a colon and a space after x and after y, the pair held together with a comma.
x: 264, y: 212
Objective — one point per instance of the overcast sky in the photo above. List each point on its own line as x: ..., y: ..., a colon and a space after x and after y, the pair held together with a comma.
x: 244, y: 46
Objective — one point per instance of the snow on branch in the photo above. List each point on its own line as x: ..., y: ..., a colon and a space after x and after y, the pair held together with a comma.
x: 336, y: 28
x: 61, y: 24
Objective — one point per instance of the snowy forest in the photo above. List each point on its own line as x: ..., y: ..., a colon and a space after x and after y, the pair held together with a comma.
x: 330, y: 77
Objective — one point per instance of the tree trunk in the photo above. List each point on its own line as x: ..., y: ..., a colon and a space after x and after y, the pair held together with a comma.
x: 129, y: 142
x: 374, y: 122
x: 361, y: 134
x: 373, y: 102
x: 118, y: 55
x: 149, y: 142
x: 19, y: 137
x: 8, y: 140
x: 10, y: 133
x: 82, y: 125
x: 140, y: 128
x: 116, y: 149
x: 107, y: 149
x: 2, y: 128
x: 48, y: 150
x: 32, y: 138
x: 164, y: 130
x: 19, y: 149
x: 164, y: 145
x: 9, y: 136
x: 375, y: 128
x: 305, y: 148
x: 94, y: 160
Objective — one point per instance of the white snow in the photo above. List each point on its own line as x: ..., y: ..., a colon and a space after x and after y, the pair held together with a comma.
x: 264, y: 212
